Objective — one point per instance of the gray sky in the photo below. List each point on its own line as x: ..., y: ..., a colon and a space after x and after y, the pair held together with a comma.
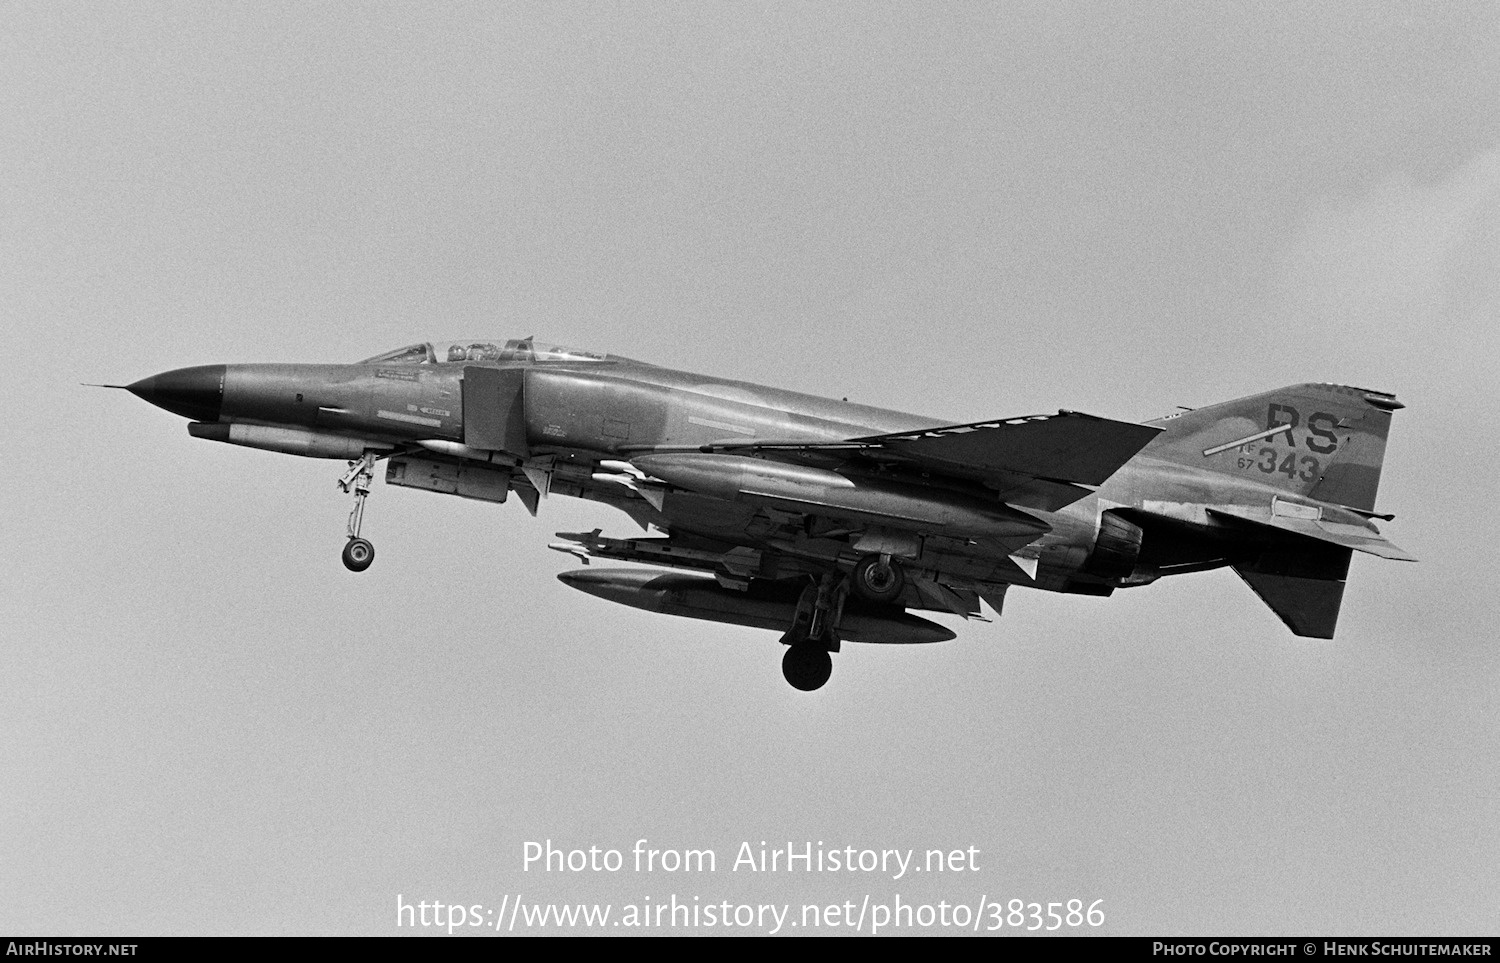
x: 966, y: 211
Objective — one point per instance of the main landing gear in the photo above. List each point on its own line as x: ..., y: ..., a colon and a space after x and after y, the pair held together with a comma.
x: 807, y: 664
x: 877, y: 578
x: 358, y: 552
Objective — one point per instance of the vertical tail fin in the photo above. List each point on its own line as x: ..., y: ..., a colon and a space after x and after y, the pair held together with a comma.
x: 1319, y: 440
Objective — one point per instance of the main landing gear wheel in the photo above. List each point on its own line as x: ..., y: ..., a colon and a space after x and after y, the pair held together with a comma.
x: 877, y: 579
x: 806, y: 666
x: 358, y: 554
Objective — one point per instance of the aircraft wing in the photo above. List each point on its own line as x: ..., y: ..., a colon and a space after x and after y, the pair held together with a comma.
x: 1068, y: 447
x: 1036, y: 461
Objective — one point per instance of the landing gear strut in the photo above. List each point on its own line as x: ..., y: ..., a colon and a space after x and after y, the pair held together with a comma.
x: 807, y: 664
x: 358, y: 552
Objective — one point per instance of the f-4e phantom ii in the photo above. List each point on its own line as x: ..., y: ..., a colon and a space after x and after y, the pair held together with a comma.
x: 825, y: 520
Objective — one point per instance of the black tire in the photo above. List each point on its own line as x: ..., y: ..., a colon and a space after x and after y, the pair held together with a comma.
x: 877, y: 581
x: 358, y: 554
x: 806, y: 666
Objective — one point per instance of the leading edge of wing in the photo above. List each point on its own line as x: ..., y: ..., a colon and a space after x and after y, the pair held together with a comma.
x: 1066, y: 447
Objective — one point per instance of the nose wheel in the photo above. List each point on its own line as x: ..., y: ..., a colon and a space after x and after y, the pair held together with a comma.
x: 358, y: 552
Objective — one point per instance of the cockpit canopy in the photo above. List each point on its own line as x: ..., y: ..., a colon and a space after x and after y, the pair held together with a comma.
x: 453, y: 352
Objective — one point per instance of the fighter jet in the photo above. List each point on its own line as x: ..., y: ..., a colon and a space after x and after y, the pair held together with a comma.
x: 827, y: 521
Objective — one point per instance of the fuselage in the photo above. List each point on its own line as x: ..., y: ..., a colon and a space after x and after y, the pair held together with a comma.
x: 830, y: 518
x: 582, y: 409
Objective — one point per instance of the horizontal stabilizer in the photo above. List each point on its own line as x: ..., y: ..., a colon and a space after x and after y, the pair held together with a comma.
x: 1361, y: 538
x: 1065, y: 447
x: 1302, y: 582
x: 1308, y: 606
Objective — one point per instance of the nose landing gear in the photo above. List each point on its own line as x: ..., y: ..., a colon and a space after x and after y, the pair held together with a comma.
x: 358, y: 552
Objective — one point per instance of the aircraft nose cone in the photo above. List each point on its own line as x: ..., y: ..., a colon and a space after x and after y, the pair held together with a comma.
x: 196, y: 393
